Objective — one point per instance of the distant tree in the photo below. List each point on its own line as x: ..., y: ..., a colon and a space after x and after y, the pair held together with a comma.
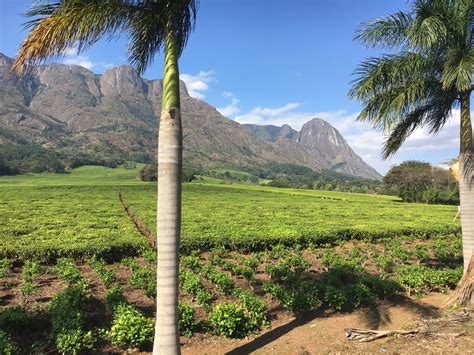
x: 416, y: 181
x: 5, y: 169
x: 420, y: 85
x: 151, y: 25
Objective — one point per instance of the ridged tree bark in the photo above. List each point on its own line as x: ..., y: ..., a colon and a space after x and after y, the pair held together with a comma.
x: 169, y: 208
x: 466, y: 183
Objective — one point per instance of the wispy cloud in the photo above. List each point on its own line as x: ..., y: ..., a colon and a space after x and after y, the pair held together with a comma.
x: 71, y: 57
x: 198, y: 84
x: 231, y: 109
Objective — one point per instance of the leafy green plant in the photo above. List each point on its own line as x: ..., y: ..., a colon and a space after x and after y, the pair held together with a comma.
x: 421, y: 279
x: 234, y: 269
x: 142, y: 277
x: 114, y: 296
x: 5, y: 266
x: 187, y: 319
x: 67, y: 321
x: 191, y: 262
x: 193, y: 285
x: 7, y: 346
x: 255, y: 309
x: 72, y: 341
x: 130, y: 328
x: 31, y: 270
x: 66, y: 268
x: 14, y: 319
x: 106, y: 275
x: 288, y: 268
x: 298, y: 297
x: 223, y: 282
x: 230, y: 320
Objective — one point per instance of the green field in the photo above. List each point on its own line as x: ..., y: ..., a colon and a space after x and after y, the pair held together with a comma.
x: 238, y: 275
x: 75, y: 214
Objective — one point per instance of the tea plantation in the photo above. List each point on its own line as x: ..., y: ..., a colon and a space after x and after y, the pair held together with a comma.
x: 76, y: 274
x: 79, y: 214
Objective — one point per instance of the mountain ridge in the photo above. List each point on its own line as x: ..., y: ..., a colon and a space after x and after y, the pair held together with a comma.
x: 72, y: 110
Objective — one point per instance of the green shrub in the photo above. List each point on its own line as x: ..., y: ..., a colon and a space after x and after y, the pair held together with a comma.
x: 256, y: 310
x: 187, y: 319
x: 67, y: 321
x: 107, y: 276
x: 150, y: 256
x: 14, y: 319
x: 7, y: 346
x: 5, y: 266
x: 288, y: 268
x: 193, y: 285
x: 230, y: 320
x: 31, y: 270
x: 422, y: 279
x: 298, y: 297
x: 72, y: 341
x: 130, y: 327
x: 142, y: 277
x: 223, y: 282
x: 192, y: 262
x: 66, y: 268
x: 114, y: 296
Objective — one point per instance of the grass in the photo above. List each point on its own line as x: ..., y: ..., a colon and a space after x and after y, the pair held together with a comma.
x: 79, y: 214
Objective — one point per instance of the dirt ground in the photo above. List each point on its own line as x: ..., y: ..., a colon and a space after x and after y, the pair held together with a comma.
x: 323, y: 333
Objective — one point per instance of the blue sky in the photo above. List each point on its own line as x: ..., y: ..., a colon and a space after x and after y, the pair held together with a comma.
x: 270, y: 62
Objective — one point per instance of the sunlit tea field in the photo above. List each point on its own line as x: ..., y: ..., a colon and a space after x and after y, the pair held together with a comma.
x: 251, y: 256
x: 80, y: 213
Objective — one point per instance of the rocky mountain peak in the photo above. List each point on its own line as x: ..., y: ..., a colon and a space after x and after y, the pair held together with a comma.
x: 115, y: 116
x: 122, y: 81
x: 4, y: 60
x: 318, y: 145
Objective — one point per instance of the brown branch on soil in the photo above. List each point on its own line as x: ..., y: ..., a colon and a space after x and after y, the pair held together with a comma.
x: 424, y: 329
x: 464, y: 293
x: 142, y: 228
x: 365, y: 335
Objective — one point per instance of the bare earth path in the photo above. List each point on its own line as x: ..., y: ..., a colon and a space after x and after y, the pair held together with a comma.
x: 321, y: 333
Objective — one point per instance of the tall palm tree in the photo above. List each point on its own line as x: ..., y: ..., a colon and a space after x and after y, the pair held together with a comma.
x: 151, y: 25
x: 420, y: 85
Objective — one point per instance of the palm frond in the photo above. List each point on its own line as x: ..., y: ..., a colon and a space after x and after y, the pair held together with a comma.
x: 458, y: 69
x: 385, y: 32
x: 434, y: 113
x: 402, y: 131
x: 161, y: 18
x: 67, y: 23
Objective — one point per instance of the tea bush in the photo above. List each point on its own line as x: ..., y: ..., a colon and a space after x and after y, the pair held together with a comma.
x: 7, y: 347
x: 130, y: 328
x: 68, y: 321
x: 187, y: 319
x: 230, y: 320
x: 421, y: 279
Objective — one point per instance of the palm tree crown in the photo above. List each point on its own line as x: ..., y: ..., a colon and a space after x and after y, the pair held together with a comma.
x: 66, y: 23
x: 429, y: 76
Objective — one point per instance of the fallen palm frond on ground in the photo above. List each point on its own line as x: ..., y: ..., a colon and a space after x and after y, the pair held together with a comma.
x: 426, y: 327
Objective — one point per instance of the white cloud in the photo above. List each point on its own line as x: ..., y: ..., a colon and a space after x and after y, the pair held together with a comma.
x: 364, y: 140
x: 71, y: 57
x: 231, y: 109
x: 198, y: 84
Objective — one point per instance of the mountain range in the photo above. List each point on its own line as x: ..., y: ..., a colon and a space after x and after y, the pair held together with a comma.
x: 115, y: 115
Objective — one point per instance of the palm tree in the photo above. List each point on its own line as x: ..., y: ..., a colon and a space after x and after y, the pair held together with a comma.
x: 151, y: 25
x: 429, y: 75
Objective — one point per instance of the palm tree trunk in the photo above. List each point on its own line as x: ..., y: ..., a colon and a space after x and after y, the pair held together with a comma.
x: 169, y: 208
x: 466, y: 185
